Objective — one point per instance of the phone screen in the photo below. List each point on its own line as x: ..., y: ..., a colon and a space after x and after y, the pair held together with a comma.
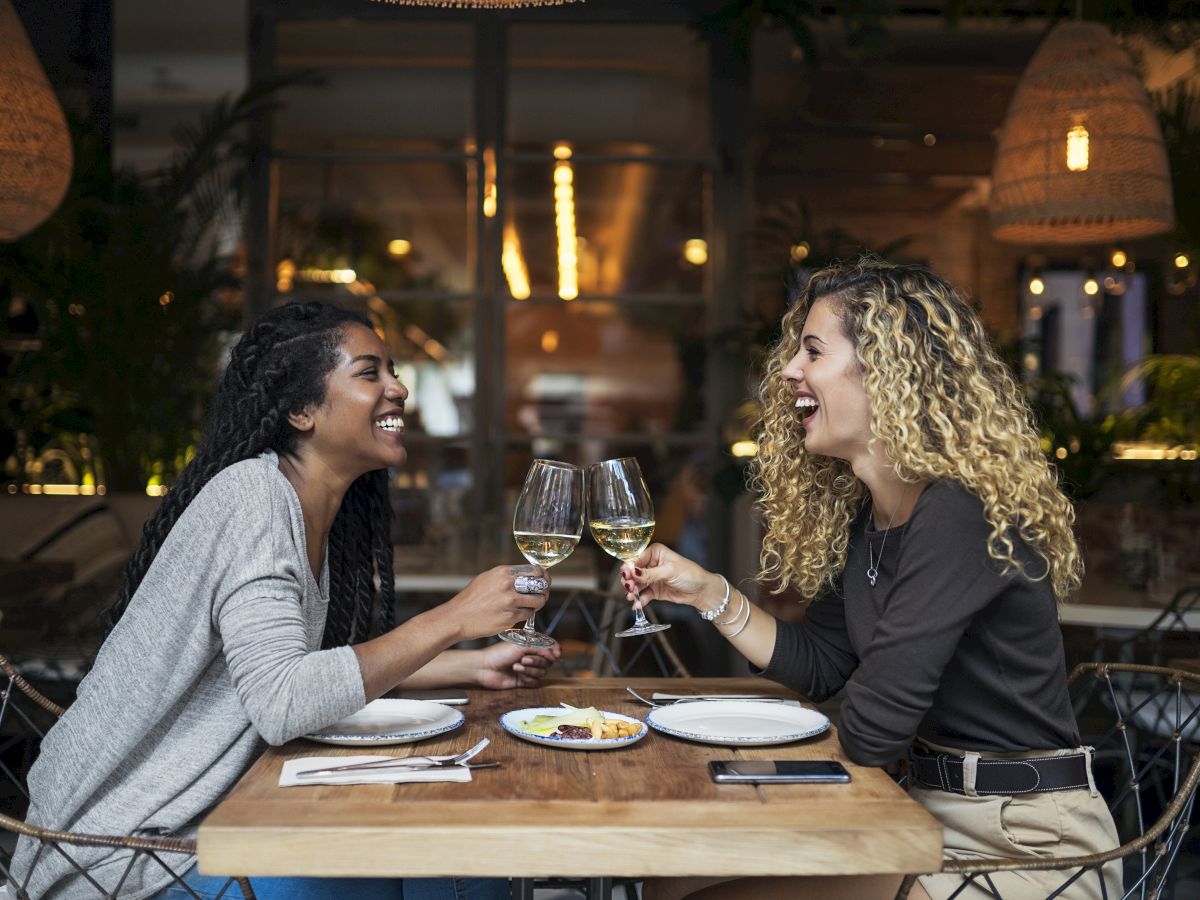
x: 757, y: 771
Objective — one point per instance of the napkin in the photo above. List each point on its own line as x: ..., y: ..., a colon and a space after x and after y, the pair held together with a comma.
x: 397, y: 775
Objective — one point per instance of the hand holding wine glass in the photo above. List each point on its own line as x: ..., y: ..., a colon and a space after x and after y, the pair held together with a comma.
x: 547, y: 524
x: 621, y: 517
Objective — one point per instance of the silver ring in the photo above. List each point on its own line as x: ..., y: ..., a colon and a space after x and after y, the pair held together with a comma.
x: 530, y: 584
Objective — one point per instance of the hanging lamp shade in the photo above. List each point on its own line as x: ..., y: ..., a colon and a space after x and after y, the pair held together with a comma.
x: 35, y: 146
x: 1081, y: 158
x: 478, y: 4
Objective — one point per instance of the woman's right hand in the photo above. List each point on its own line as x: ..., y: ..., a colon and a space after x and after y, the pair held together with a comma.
x: 491, y: 602
x: 662, y: 574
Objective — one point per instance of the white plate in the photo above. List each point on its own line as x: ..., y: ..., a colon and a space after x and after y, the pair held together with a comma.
x: 511, y: 722
x: 390, y: 722
x: 737, y: 722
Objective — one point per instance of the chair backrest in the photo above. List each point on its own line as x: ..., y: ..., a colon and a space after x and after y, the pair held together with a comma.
x: 1144, y: 723
x: 1169, y: 636
x: 25, y: 716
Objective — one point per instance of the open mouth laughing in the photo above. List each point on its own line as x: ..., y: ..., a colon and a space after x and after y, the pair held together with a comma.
x: 808, y: 407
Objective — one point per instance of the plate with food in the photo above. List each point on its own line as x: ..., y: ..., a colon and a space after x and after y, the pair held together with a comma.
x: 388, y: 721
x: 573, y: 729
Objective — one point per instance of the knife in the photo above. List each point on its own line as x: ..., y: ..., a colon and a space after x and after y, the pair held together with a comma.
x: 659, y: 695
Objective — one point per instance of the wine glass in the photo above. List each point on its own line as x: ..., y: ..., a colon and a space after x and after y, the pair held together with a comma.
x: 547, y: 524
x: 621, y: 517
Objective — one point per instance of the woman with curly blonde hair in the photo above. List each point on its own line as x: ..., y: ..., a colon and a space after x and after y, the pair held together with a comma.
x: 903, y: 490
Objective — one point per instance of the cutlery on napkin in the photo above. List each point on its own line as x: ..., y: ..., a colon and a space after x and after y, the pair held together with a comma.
x: 393, y: 774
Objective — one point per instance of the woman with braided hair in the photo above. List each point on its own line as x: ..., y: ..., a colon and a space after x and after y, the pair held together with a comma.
x: 250, y: 614
x: 904, y: 490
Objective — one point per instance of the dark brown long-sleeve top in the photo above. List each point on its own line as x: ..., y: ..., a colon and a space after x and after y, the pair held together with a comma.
x: 944, y: 646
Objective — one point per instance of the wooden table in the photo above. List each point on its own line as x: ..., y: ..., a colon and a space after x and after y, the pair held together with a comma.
x: 645, y: 809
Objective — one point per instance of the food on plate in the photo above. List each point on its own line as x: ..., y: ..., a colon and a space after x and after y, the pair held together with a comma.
x: 581, y: 724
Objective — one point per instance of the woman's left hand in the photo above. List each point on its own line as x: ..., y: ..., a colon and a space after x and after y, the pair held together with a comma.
x: 504, y: 665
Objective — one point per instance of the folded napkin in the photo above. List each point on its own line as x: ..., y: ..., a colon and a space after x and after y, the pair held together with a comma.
x: 392, y: 775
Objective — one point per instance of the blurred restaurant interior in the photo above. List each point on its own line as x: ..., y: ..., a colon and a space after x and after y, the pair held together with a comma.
x: 576, y: 227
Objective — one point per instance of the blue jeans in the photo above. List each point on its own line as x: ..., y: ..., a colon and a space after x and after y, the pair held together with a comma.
x: 345, y: 888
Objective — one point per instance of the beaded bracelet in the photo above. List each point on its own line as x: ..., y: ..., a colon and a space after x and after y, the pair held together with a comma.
x: 709, y: 614
x: 746, y: 621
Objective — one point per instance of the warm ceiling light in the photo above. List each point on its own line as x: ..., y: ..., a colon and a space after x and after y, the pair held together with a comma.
x: 799, y: 252
x: 1114, y: 183
x: 562, y: 150
x: 1119, y: 259
x: 564, y: 224
x: 512, y: 261
x: 399, y: 247
x: 1077, y: 149
x: 1037, y: 286
x: 744, y: 448
x: 695, y: 251
x: 1181, y: 261
x: 35, y: 151
x: 491, y: 194
x: 1091, y: 287
x: 549, y: 341
x: 930, y: 139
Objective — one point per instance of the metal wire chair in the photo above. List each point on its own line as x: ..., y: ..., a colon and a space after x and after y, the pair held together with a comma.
x: 1151, y: 796
x: 23, y: 712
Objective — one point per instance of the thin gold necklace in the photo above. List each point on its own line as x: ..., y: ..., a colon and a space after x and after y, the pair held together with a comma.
x: 872, y: 562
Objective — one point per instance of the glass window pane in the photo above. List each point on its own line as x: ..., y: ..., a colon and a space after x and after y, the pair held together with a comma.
x: 403, y: 87
x: 400, y: 226
x: 633, y: 222
x: 601, y: 369
x: 608, y: 88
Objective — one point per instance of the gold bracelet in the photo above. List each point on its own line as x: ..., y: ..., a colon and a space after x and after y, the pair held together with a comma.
x: 745, y: 621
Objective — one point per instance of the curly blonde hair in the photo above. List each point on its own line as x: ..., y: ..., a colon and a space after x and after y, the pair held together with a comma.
x: 943, y: 406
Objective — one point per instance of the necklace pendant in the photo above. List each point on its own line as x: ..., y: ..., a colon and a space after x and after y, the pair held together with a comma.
x: 872, y: 575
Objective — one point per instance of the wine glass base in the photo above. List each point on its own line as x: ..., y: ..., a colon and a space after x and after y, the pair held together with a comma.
x: 638, y: 630
x: 525, y: 638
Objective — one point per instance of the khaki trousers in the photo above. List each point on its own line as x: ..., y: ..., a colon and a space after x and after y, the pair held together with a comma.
x: 1038, y: 826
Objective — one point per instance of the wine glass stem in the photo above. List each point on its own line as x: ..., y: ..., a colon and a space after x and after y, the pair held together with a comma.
x: 639, y: 617
x: 530, y: 625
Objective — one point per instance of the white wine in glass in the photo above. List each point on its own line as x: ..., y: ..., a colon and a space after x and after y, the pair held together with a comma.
x: 621, y: 518
x: 547, y: 524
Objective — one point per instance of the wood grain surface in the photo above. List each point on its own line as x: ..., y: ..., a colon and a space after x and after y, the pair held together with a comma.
x: 648, y: 808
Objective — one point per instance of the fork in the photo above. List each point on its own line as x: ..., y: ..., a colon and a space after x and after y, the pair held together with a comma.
x: 410, y: 762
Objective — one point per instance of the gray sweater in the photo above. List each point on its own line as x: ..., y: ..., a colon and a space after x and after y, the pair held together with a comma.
x: 945, y: 646
x: 217, y: 652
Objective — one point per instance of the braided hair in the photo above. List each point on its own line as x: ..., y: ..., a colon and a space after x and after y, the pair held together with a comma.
x: 279, y: 366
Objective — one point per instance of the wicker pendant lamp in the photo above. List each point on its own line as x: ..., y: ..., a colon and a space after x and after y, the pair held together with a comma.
x: 35, y: 146
x: 1081, y: 157
x: 478, y: 4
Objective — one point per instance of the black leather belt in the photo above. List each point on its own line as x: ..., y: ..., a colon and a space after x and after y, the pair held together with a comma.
x: 1038, y: 775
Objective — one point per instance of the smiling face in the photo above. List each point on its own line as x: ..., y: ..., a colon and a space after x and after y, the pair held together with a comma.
x: 359, y: 426
x: 827, y: 381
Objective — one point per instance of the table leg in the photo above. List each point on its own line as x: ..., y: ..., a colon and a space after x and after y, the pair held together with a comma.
x: 521, y: 888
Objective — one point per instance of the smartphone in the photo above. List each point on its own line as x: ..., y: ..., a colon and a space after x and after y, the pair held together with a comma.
x: 780, y: 771
x: 448, y: 696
